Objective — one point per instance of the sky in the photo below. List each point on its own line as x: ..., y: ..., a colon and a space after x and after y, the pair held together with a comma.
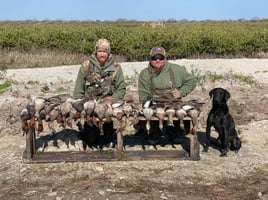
x: 140, y: 10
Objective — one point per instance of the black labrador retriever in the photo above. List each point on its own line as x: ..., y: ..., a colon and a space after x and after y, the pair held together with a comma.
x: 220, y: 118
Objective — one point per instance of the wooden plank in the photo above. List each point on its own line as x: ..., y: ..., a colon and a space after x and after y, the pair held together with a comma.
x: 73, y: 156
x: 165, y: 118
x: 153, y: 155
x: 106, y: 156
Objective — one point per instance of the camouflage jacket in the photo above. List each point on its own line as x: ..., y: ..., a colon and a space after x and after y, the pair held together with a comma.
x: 96, y: 82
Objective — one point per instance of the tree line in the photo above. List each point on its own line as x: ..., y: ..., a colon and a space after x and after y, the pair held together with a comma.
x: 133, y: 40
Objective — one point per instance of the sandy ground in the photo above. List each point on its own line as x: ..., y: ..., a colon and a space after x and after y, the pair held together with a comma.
x: 256, y: 68
x: 242, y: 175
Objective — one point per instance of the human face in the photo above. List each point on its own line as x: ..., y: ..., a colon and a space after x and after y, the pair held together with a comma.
x: 102, y: 56
x: 158, y: 61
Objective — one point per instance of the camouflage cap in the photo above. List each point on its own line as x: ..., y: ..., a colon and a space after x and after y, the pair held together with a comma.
x: 157, y: 50
x: 103, y: 45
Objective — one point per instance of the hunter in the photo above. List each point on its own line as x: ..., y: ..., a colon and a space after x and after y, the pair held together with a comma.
x: 162, y: 80
x: 164, y: 83
x: 102, y: 80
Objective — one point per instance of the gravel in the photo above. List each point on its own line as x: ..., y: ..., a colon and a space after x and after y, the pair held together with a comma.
x: 242, y: 175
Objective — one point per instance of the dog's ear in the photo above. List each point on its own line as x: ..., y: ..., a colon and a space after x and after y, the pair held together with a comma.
x: 211, y: 93
x: 227, y: 95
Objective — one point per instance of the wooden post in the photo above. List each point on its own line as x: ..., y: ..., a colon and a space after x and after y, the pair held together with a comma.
x: 119, y: 144
x: 33, y: 141
x: 28, y: 152
x: 30, y: 148
x: 194, y: 144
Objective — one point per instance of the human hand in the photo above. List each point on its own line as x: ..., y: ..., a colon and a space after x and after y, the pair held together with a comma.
x: 176, y: 93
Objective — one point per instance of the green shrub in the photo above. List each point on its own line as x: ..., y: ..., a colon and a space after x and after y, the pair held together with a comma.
x: 131, y: 39
x: 33, y: 82
x: 45, y: 88
x: 4, y: 86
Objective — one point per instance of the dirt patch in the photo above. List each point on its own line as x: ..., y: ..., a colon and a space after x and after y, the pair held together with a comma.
x: 242, y: 175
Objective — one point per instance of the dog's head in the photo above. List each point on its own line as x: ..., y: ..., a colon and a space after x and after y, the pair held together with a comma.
x: 235, y: 144
x: 219, y: 95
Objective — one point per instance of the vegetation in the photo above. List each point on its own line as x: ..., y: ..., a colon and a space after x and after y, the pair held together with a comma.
x: 133, y: 40
x: 45, y: 88
x: 33, y: 82
x: 61, y: 90
x: 230, y: 77
x: 3, y: 71
x: 4, y: 86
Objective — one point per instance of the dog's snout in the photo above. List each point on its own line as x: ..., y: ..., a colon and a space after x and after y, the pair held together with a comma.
x: 218, y: 97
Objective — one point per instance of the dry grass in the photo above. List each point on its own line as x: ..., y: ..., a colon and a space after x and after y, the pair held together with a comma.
x: 37, y: 58
x: 42, y: 58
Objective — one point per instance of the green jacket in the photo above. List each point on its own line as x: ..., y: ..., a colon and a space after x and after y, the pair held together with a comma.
x: 169, y: 77
x: 83, y: 86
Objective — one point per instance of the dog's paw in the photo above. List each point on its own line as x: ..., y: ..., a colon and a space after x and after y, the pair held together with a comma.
x: 223, y: 154
x: 205, y: 149
x: 236, y: 151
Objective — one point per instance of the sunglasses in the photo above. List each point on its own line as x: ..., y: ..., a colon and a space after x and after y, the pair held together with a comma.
x: 158, y: 57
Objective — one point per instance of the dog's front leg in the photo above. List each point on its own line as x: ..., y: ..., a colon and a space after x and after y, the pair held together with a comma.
x: 208, y: 130
x: 224, y: 142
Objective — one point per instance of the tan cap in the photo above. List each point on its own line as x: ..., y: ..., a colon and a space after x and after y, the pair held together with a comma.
x: 103, y: 45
